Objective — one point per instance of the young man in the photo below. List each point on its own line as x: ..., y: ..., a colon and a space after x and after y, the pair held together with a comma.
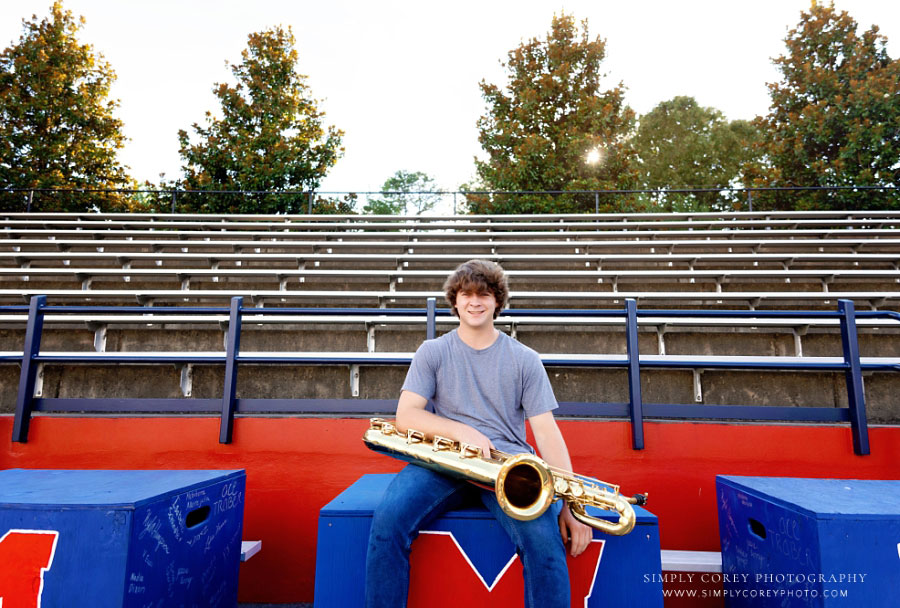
x: 483, y: 385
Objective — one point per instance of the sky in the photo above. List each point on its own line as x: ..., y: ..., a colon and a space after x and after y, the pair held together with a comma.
x: 400, y: 78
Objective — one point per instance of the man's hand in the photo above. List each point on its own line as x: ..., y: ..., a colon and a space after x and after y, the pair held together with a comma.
x: 577, y: 534
x: 411, y: 414
x: 472, y: 436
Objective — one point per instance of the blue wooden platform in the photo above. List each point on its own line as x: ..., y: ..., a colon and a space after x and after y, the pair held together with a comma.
x: 468, y: 552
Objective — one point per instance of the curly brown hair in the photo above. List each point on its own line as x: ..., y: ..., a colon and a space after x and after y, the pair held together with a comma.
x: 478, y: 276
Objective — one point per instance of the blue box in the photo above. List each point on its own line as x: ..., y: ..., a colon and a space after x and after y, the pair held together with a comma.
x: 465, y: 558
x: 108, y: 539
x: 809, y: 542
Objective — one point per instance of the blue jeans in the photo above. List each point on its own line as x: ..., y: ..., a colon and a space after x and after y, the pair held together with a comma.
x: 416, y: 497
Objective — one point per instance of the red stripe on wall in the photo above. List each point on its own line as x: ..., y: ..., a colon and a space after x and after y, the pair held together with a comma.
x: 296, y: 465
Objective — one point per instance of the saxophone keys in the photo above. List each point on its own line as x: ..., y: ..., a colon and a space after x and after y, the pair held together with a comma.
x: 560, y: 486
x: 414, y: 436
x: 467, y: 450
x: 442, y: 444
x: 576, y: 488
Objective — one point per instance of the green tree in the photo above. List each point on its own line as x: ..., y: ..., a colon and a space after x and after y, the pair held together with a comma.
x: 57, y: 128
x: 270, y: 137
x: 324, y: 205
x: 834, y: 118
x: 538, y: 130
x: 682, y: 145
x: 405, y: 192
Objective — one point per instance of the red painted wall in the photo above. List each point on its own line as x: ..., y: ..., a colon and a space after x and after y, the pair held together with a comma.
x: 296, y: 465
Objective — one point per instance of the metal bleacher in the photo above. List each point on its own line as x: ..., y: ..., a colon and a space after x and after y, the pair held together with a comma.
x: 331, y: 307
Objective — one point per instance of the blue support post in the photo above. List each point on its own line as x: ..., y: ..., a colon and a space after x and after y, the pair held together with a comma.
x: 232, y: 347
x: 430, y: 323
x: 856, y: 397
x: 636, y: 403
x: 25, y: 398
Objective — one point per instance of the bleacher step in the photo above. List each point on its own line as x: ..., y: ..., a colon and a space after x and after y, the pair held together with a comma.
x: 691, y: 561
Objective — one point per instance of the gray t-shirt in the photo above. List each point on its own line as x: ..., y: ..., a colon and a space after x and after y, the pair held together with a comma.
x: 493, y: 390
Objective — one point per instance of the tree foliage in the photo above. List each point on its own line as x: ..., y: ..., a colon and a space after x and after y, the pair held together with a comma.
x: 835, y: 115
x: 57, y: 128
x: 538, y: 130
x: 333, y: 205
x: 405, y: 192
x: 271, y: 135
x: 682, y: 145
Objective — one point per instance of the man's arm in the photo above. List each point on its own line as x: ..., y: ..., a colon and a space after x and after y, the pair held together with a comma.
x: 411, y: 414
x: 552, y: 446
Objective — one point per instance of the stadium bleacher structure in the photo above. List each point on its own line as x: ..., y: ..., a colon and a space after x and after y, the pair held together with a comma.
x: 740, y: 261
x: 740, y: 320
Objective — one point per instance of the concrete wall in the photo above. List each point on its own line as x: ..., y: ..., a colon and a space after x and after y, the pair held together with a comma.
x: 717, y: 387
x: 799, y: 389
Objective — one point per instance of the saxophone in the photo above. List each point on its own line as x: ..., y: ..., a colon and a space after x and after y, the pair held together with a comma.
x: 525, y: 485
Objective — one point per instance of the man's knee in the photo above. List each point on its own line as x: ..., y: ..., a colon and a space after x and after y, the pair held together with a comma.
x: 415, y: 495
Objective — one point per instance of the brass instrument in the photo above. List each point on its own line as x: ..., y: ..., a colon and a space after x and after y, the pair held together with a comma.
x: 525, y: 485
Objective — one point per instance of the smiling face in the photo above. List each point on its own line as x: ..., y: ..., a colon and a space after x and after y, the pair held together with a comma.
x: 475, y: 309
x: 476, y: 287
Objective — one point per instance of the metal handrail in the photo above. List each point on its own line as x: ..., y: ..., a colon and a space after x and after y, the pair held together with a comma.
x: 747, y: 191
x: 850, y: 364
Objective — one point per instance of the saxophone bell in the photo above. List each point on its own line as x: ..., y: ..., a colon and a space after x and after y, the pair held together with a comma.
x: 524, y: 487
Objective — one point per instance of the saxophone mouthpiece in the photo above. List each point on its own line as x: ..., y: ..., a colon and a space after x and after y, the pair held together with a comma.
x: 639, y: 499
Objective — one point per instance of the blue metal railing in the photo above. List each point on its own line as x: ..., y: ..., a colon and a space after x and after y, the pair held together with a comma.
x: 635, y: 408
